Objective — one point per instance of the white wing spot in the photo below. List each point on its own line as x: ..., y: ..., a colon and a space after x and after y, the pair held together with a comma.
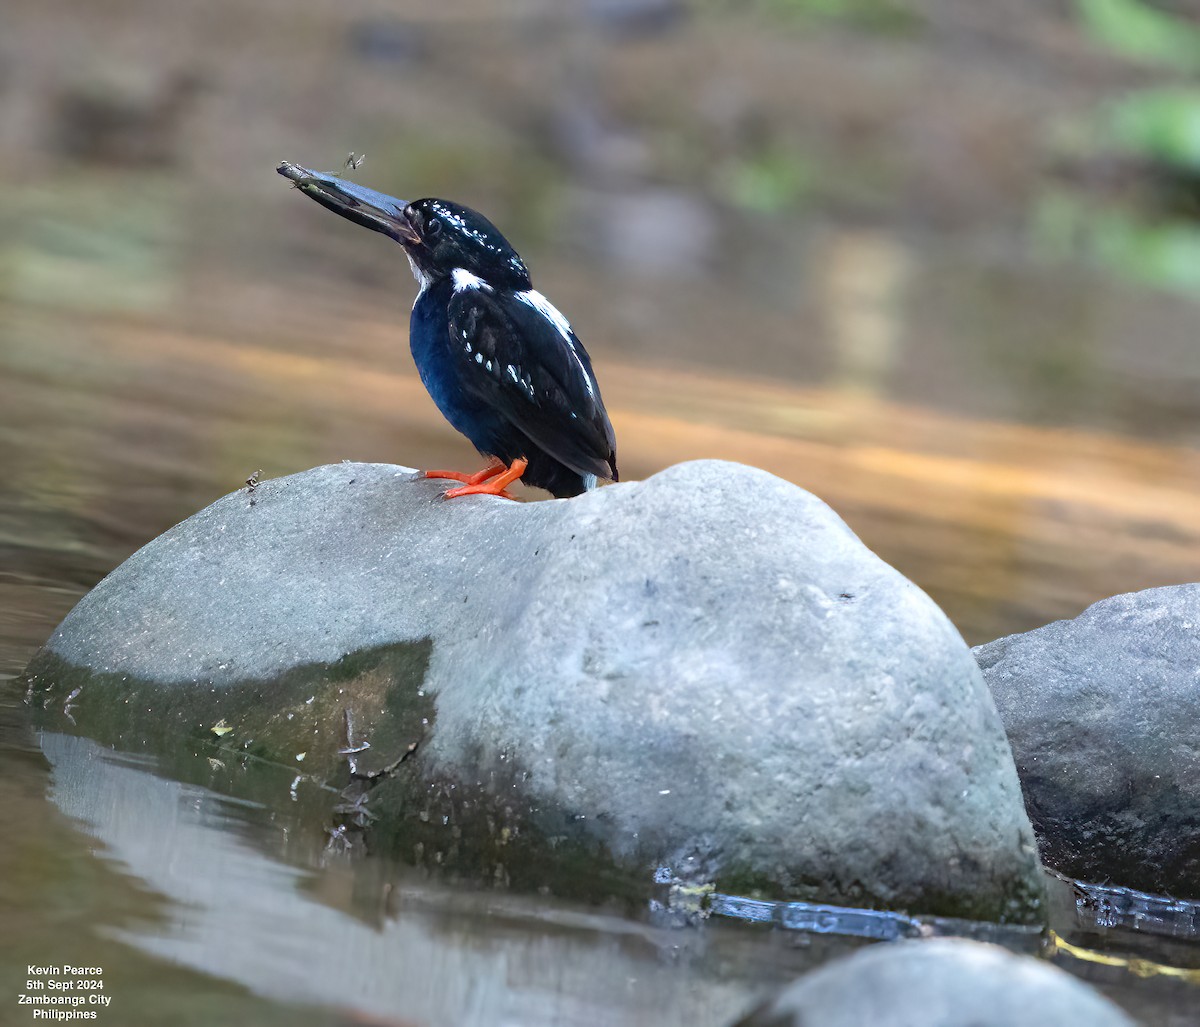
x: 552, y: 314
x: 512, y: 373
x: 479, y: 358
x: 548, y: 310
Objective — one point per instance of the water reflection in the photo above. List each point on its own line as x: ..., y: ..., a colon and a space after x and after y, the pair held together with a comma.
x: 356, y: 936
x: 253, y: 892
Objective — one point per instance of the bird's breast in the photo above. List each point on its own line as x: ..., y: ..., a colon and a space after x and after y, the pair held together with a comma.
x: 443, y: 371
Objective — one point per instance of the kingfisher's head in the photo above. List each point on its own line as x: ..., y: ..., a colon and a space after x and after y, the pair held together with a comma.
x: 438, y: 236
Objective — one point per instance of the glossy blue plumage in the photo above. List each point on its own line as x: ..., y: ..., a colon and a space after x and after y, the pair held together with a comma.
x: 442, y: 372
x: 505, y: 369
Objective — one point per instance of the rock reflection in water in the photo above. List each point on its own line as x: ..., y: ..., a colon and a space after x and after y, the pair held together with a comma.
x: 428, y: 954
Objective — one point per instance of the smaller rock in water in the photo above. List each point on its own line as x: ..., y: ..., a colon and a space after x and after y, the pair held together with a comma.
x: 947, y: 982
x: 1103, y: 714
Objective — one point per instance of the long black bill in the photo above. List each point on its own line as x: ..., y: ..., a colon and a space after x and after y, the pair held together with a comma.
x: 357, y: 203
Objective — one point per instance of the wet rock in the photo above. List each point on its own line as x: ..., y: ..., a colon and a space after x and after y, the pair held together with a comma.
x: 940, y: 983
x: 704, y: 677
x: 1103, y: 713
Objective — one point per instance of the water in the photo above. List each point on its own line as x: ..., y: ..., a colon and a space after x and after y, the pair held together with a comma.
x: 206, y: 906
x: 265, y: 903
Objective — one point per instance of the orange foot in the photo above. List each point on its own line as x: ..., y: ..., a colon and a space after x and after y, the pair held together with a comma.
x: 481, y: 486
x: 490, y: 471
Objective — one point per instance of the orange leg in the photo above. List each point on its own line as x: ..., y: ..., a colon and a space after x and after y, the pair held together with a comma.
x: 490, y: 471
x: 495, y: 487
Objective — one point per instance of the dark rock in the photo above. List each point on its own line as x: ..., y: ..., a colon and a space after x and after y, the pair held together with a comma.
x: 945, y: 982
x: 705, y: 673
x: 1103, y: 713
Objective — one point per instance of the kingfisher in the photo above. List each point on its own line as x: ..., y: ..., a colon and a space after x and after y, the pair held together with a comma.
x: 502, y: 364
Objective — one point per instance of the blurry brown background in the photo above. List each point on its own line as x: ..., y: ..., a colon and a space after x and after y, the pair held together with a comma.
x: 936, y: 262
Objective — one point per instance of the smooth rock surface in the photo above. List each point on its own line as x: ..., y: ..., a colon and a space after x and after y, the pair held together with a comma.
x: 705, y: 671
x: 946, y: 982
x: 1103, y: 713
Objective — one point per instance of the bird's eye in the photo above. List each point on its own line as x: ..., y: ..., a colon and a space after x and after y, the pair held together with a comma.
x: 433, y: 229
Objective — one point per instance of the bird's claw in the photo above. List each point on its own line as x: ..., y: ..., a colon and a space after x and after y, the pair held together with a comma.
x: 470, y: 479
x: 476, y: 490
x: 491, y: 481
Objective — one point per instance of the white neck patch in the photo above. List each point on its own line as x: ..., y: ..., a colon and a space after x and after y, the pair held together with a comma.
x: 419, y: 275
x: 465, y: 280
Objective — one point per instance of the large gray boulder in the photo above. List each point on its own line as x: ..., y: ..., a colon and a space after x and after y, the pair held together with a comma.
x: 940, y: 983
x: 1103, y: 713
x: 705, y: 674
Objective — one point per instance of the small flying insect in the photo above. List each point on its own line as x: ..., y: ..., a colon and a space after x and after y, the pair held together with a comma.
x: 354, y: 160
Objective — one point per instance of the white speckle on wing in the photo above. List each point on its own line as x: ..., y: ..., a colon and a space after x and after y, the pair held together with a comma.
x: 552, y: 314
x: 463, y: 279
x: 523, y: 380
x: 479, y: 358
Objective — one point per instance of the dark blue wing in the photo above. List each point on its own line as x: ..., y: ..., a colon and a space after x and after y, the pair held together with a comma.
x: 521, y: 358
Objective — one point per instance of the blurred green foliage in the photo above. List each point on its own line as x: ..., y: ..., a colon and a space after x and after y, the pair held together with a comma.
x: 1163, y: 253
x: 1166, y: 254
x: 884, y: 16
x: 872, y: 14
x: 1133, y: 29
x: 1147, y: 144
x: 1162, y: 124
x: 773, y: 179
